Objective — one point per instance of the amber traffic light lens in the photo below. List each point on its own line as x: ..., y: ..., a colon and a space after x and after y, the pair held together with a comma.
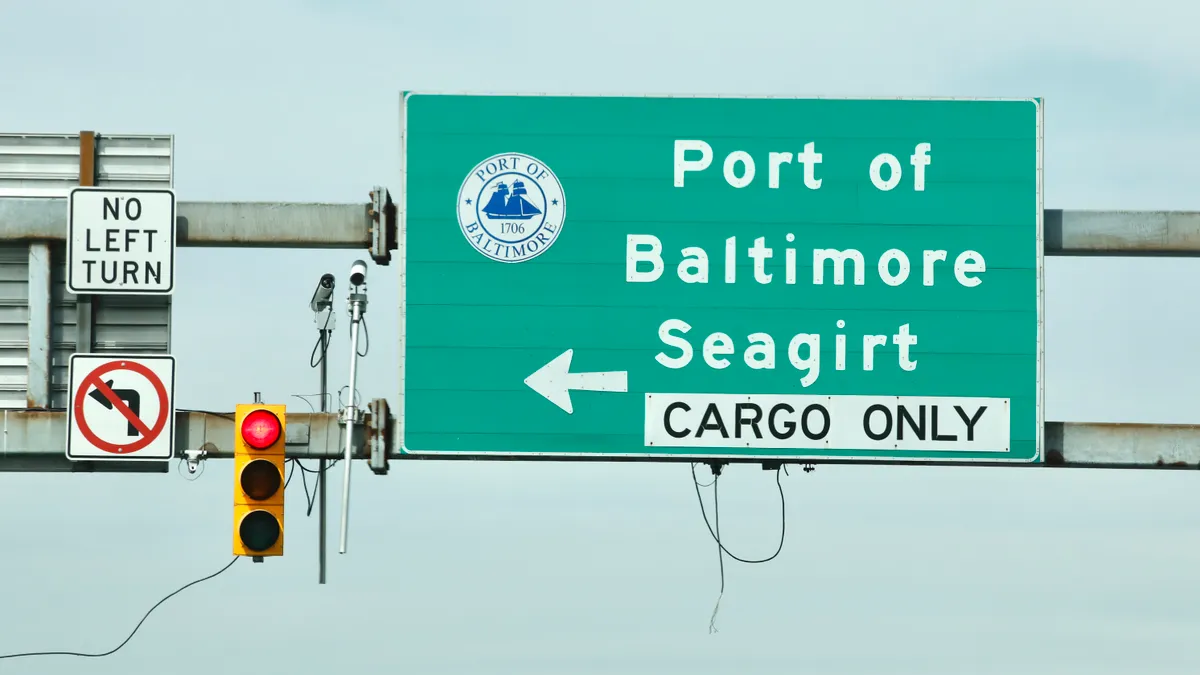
x: 259, y: 530
x: 260, y: 479
x: 261, y: 429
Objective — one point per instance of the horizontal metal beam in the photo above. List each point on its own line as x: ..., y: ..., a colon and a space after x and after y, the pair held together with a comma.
x: 216, y: 224
x: 350, y: 226
x: 275, y: 225
x: 1123, y: 446
x: 1068, y: 445
x: 35, y: 440
x: 1122, y: 233
x: 309, y: 435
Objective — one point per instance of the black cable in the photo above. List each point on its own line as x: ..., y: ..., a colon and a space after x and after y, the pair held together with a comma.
x: 304, y: 397
x: 716, y: 506
x: 322, y: 341
x: 135, y: 629
x: 366, y: 337
x: 314, y: 361
x: 716, y: 533
x: 353, y: 397
x: 712, y: 620
x: 328, y: 466
x: 226, y: 415
x: 310, y: 498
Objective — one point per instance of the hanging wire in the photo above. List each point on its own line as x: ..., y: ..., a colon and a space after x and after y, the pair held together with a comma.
x: 716, y: 505
x: 322, y: 345
x: 319, y: 355
x: 715, y: 532
x: 135, y: 628
x: 366, y: 337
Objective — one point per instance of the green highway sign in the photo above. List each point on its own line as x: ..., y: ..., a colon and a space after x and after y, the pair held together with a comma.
x: 721, y: 278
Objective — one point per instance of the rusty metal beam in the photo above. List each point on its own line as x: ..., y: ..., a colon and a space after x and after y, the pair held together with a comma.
x: 85, y: 314
x: 275, y: 225
x: 87, y: 158
x: 34, y: 440
x: 309, y: 435
x: 350, y: 226
x: 216, y: 224
x: 1068, y: 445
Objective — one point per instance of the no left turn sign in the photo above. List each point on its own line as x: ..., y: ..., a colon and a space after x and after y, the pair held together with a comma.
x: 122, y: 407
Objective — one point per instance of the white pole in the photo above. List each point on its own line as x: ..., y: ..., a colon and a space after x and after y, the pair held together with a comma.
x: 355, y: 318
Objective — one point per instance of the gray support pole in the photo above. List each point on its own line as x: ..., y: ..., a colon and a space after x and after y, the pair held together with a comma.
x: 38, y: 389
x: 321, y: 464
x: 355, y: 316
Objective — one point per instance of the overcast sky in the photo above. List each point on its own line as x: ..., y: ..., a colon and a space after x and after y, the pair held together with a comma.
x: 582, y: 569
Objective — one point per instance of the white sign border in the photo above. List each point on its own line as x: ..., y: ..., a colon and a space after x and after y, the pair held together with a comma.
x: 104, y: 357
x: 170, y: 290
x: 1039, y: 455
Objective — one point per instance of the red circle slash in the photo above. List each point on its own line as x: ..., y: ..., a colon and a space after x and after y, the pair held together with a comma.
x: 148, y: 434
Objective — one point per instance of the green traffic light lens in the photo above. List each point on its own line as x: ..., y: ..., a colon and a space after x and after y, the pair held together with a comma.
x: 260, y: 479
x: 259, y: 530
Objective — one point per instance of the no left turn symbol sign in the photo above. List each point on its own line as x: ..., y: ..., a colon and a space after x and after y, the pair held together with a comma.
x: 127, y: 402
x: 121, y: 407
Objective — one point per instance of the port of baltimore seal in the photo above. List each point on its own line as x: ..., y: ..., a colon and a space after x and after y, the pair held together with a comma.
x: 511, y: 207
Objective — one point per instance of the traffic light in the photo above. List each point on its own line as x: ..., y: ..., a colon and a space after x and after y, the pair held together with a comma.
x: 260, y: 431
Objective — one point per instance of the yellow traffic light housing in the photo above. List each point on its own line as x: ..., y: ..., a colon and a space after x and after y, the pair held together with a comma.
x: 260, y: 432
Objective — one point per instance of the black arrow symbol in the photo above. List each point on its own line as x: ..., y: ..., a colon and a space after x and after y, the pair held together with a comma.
x: 129, y: 396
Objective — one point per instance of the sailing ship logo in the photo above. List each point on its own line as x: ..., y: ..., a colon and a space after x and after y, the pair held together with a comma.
x: 511, y: 207
x: 504, y: 204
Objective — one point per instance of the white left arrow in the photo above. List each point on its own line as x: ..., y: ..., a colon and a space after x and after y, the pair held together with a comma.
x: 555, y: 381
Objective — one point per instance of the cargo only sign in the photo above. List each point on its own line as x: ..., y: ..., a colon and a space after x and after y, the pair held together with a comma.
x: 854, y: 280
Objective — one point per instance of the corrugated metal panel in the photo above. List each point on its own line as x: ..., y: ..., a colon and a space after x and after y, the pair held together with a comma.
x: 14, y: 324
x: 132, y: 323
x: 137, y: 324
x: 135, y: 161
x: 63, y: 327
x: 47, y: 165
x: 38, y: 165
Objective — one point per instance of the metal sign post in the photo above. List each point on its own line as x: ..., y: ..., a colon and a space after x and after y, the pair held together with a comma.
x: 358, y: 307
x: 322, y: 307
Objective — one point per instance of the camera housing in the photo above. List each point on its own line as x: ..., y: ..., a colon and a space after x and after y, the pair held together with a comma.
x: 358, y: 273
x: 322, y: 297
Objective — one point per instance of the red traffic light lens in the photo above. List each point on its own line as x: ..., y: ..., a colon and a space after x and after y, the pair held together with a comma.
x: 261, y: 429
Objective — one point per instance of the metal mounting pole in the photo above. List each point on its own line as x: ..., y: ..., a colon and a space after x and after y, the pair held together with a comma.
x: 321, y: 465
x: 322, y: 307
x: 358, y: 306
